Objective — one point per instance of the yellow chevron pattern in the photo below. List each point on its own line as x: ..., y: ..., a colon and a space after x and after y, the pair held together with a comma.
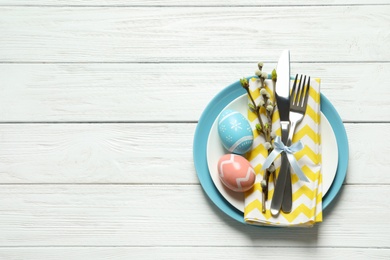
x: 307, y: 197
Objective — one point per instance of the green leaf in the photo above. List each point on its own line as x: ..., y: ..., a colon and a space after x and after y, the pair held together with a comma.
x: 274, y: 76
x: 252, y: 107
x: 244, y: 83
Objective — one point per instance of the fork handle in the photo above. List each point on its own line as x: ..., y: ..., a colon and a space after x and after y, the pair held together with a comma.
x: 287, y: 197
x: 291, y: 133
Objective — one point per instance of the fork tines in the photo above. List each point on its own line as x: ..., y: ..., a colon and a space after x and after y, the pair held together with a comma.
x: 299, y: 97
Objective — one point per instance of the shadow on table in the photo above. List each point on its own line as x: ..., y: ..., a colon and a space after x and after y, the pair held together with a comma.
x: 297, y: 236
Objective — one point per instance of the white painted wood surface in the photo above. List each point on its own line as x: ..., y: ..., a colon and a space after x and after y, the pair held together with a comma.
x: 181, y: 34
x: 101, y: 92
x: 99, y: 102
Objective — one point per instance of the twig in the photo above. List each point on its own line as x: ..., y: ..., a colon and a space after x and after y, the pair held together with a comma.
x: 263, y: 128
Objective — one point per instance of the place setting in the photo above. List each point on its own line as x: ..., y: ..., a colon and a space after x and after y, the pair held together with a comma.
x: 271, y: 149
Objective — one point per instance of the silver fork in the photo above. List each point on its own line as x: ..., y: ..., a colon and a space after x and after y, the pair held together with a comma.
x: 298, y: 103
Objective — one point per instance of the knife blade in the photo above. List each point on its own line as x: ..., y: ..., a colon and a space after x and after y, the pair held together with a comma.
x: 282, y: 94
x: 287, y: 195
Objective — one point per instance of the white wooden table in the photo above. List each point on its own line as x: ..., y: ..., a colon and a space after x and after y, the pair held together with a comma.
x: 99, y: 101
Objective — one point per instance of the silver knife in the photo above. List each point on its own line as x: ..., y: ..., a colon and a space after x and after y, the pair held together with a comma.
x: 282, y: 93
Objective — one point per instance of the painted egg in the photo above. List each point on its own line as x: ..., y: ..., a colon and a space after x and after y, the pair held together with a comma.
x: 236, y: 172
x: 235, y: 132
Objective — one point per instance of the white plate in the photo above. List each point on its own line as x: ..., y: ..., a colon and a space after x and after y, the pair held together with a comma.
x: 215, y: 150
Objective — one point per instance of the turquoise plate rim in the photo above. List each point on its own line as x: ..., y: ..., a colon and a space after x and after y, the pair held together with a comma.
x: 206, y: 120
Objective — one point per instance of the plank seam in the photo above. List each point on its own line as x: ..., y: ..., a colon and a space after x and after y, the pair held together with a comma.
x: 189, y: 62
x: 192, y: 6
x: 191, y: 246
x: 155, y: 184
x: 145, y: 122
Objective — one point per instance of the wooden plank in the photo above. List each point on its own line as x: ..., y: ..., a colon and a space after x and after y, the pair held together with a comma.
x: 216, y: 3
x: 364, y: 142
x: 109, y: 34
x: 179, y: 253
x: 97, y: 153
x: 144, y: 153
x: 174, y: 215
x: 169, y: 91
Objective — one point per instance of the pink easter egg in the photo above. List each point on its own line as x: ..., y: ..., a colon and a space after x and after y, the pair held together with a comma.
x: 236, y: 172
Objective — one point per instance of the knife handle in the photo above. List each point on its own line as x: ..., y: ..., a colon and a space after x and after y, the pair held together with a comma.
x: 287, y: 197
x: 277, y: 198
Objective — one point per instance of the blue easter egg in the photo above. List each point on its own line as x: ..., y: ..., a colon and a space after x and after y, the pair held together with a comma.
x: 235, y: 132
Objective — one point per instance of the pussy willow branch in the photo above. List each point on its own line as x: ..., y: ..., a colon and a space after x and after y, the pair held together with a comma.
x: 265, y: 129
x: 268, y: 172
x: 256, y: 110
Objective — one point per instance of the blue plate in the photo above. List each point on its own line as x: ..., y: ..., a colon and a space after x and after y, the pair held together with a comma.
x: 217, y: 104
